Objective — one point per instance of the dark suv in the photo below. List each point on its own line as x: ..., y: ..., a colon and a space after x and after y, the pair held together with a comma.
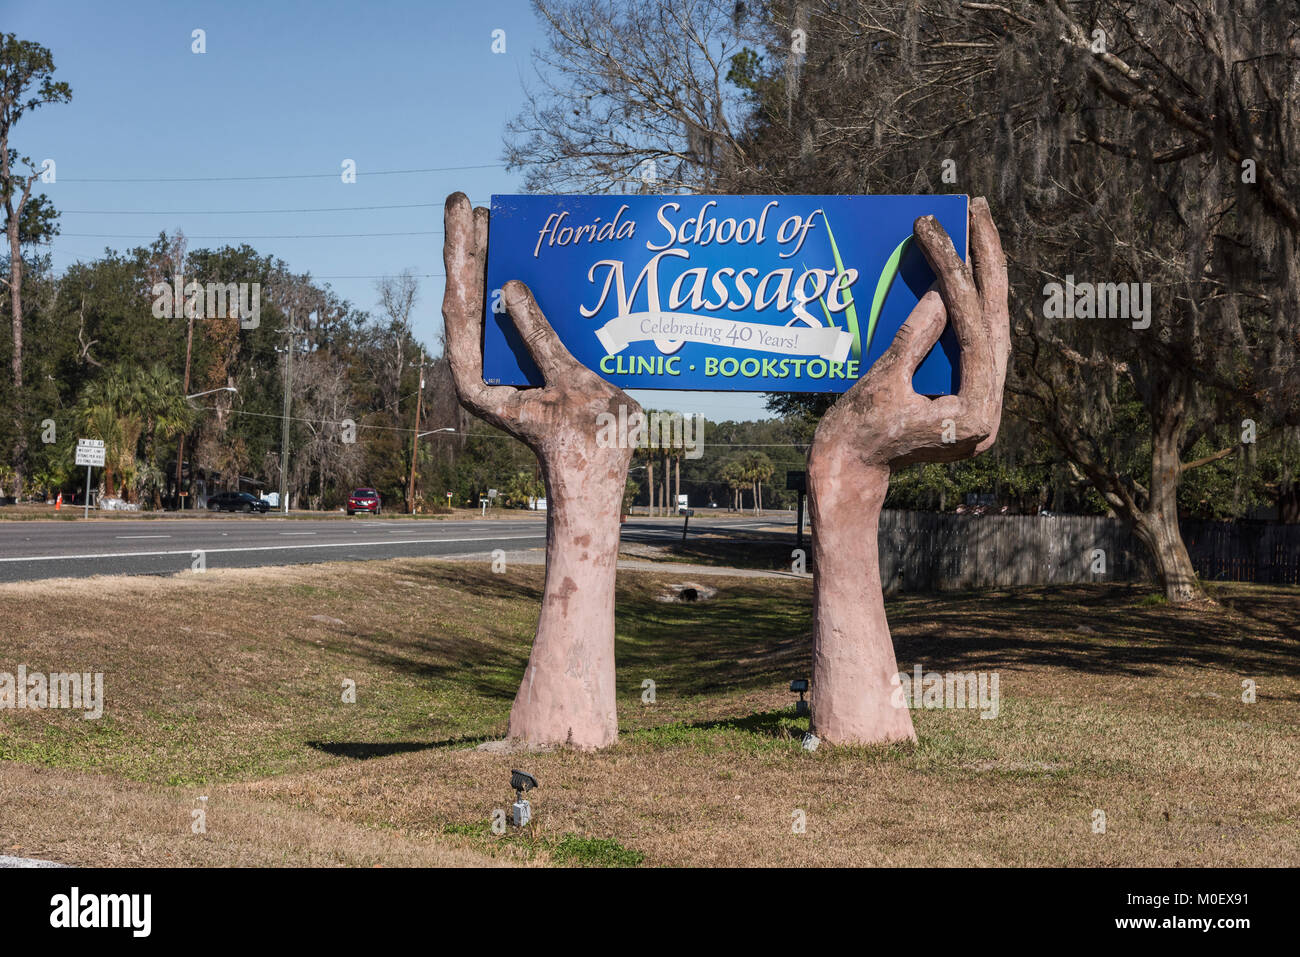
x: 237, y: 502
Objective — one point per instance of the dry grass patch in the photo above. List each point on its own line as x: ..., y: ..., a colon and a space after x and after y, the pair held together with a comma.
x: 229, y: 684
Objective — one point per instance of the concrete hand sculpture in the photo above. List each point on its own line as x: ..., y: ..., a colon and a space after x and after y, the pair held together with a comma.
x: 567, y: 694
x: 879, y: 425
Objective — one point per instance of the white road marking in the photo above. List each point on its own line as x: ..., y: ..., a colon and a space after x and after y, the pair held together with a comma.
x: 265, y: 548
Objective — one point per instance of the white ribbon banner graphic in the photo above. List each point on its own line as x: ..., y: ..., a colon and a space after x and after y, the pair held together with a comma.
x: 825, y: 342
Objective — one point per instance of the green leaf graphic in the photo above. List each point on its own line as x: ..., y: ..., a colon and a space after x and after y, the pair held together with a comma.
x: 826, y: 312
x: 882, y: 288
x: 850, y: 311
x: 883, y: 285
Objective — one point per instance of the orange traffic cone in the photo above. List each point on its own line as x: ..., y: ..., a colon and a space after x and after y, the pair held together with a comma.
x: 58, y: 502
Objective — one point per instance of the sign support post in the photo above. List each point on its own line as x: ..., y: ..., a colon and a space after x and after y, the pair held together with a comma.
x: 90, y: 453
x: 798, y: 541
x: 797, y: 481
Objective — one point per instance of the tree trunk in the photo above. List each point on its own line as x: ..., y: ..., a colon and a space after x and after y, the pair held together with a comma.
x: 650, y: 480
x: 1157, y: 527
x: 1288, y: 502
x: 853, y: 694
x: 16, y: 305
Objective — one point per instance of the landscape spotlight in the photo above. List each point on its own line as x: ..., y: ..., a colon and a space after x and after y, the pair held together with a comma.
x: 522, y: 781
x: 800, y: 685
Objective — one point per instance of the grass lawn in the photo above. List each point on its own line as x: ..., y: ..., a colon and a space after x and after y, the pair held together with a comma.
x: 228, y: 686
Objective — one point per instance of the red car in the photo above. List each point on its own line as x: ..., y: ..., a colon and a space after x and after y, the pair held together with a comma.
x: 364, y: 500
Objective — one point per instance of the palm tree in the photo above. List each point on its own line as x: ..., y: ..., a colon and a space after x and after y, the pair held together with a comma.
x: 127, y: 404
x: 757, y: 468
x: 651, y: 452
x: 104, y: 412
x: 158, y: 400
x: 733, y: 473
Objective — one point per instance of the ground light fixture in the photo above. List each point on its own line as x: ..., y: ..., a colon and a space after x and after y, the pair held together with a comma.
x: 522, y: 811
x: 800, y: 685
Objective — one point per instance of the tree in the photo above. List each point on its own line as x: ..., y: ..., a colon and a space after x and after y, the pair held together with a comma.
x: 108, y: 411
x: 130, y: 409
x: 1126, y: 143
x: 158, y: 400
x: 633, y: 96
x: 733, y: 473
x: 397, y: 297
x: 630, y: 493
x: 26, y: 83
x: 522, y: 488
x: 757, y: 468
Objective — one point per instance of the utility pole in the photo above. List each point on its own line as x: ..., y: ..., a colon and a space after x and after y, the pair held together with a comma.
x: 180, y: 449
x: 415, y: 440
x: 284, y: 425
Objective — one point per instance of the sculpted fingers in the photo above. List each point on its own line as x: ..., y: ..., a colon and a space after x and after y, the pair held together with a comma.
x: 990, y: 263
x: 991, y: 276
x: 914, y: 340
x: 552, y: 358
x: 464, y: 253
x: 954, y: 278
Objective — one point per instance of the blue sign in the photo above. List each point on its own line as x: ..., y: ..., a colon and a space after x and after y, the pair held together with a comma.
x: 734, y: 293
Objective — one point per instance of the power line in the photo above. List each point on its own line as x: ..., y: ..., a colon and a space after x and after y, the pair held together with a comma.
x: 483, y: 435
x: 241, y: 179
x: 358, y: 425
x: 418, y: 275
x: 245, y: 212
x: 137, y: 236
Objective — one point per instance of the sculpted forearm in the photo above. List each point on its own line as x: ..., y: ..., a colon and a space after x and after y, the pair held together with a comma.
x: 879, y: 425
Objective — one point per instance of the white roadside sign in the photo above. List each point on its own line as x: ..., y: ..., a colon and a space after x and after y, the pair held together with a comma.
x: 90, y: 452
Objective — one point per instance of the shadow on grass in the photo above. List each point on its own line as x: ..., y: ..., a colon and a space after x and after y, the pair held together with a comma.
x: 1100, y: 630
x: 365, y: 750
x: 751, y: 633
x: 755, y: 633
x: 737, y: 548
x: 764, y: 727
x: 773, y: 724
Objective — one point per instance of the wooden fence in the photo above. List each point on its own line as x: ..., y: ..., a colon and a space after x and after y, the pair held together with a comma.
x: 926, y: 551
x: 1261, y: 552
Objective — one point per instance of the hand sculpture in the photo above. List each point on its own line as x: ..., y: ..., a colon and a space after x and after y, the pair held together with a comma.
x: 881, y: 424
x: 567, y: 694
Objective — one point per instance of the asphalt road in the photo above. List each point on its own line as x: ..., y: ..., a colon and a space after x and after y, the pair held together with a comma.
x: 31, y: 550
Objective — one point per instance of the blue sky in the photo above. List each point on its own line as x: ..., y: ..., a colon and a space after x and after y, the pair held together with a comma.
x: 287, y: 90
